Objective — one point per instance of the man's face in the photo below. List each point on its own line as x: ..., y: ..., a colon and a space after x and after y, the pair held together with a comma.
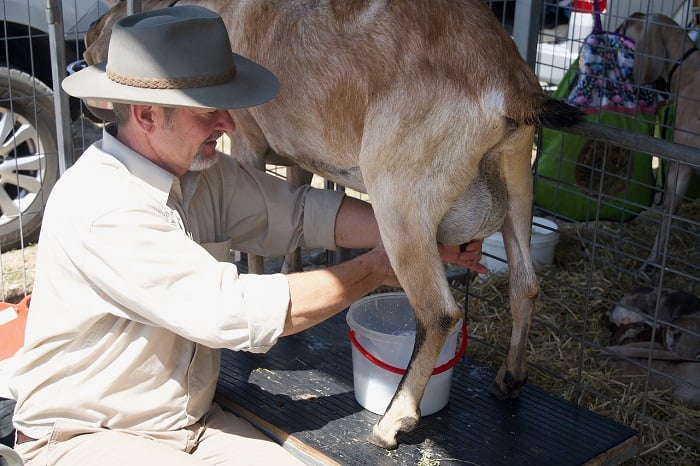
x: 189, y: 137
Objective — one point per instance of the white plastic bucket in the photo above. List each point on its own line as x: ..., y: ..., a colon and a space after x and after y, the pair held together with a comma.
x: 382, y: 332
x: 545, y: 237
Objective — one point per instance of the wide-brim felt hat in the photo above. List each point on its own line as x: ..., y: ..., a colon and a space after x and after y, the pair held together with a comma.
x: 175, y: 57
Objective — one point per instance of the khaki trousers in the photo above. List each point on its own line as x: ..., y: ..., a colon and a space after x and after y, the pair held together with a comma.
x: 221, y: 438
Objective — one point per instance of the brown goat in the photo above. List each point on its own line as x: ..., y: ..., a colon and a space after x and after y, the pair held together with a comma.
x: 657, y: 333
x: 665, y: 52
x: 427, y: 106
x: 664, y: 369
x: 674, y: 314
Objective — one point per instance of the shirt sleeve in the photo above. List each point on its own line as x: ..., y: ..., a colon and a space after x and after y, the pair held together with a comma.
x: 150, y: 272
x: 260, y: 213
x: 320, y: 210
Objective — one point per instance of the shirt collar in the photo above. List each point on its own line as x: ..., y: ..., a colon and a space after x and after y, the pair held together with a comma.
x: 138, y: 165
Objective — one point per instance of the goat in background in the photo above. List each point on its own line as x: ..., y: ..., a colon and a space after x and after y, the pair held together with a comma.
x: 657, y: 329
x: 665, y: 52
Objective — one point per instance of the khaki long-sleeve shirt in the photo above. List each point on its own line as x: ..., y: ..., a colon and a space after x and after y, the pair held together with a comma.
x: 134, y: 294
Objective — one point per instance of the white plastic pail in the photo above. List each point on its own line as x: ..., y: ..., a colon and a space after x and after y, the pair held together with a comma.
x: 382, y: 332
x: 545, y: 237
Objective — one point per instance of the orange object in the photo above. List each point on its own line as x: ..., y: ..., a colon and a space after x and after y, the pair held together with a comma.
x: 12, y: 331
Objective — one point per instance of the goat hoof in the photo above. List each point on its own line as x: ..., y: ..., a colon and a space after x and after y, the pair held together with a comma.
x: 507, y: 386
x: 647, y: 272
x: 386, y: 443
x: 386, y: 438
x: 496, y: 391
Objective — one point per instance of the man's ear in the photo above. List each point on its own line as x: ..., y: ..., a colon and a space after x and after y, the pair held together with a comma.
x: 145, y: 116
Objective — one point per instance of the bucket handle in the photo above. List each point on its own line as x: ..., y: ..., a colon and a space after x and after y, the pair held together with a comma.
x: 397, y: 370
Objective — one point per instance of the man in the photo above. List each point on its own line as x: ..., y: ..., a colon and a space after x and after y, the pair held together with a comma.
x: 134, y: 295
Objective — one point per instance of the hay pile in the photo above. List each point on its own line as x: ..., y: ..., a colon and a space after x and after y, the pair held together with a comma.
x: 592, y: 270
x: 17, y: 270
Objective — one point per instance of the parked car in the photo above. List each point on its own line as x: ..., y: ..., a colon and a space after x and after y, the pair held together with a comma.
x: 28, y: 142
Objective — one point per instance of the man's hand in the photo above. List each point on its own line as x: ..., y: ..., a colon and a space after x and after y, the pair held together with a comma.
x: 383, y: 266
x: 468, y: 256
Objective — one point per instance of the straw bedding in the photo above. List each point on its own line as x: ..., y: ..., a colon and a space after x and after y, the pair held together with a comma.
x: 593, y: 268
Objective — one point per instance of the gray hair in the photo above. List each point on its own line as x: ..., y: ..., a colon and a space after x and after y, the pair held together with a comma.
x: 122, y: 114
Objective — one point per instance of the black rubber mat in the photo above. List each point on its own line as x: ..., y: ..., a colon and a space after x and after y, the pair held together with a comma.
x: 303, y: 387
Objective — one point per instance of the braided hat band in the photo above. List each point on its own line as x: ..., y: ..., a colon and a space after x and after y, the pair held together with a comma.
x: 172, y: 83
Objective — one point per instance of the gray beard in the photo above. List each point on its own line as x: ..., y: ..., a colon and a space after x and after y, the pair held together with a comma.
x: 198, y: 163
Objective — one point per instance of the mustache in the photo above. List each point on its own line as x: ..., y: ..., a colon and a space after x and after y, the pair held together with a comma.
x: 214, y: 136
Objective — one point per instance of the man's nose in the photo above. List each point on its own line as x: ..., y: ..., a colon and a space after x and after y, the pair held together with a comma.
x: 225, y: 121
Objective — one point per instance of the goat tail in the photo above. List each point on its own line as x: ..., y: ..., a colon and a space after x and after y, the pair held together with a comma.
x: 554, y: 113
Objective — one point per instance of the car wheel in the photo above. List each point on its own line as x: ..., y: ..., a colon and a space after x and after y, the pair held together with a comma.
x: 28, y: 156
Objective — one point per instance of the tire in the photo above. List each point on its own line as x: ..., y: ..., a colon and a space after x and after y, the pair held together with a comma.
x: 28, y: 156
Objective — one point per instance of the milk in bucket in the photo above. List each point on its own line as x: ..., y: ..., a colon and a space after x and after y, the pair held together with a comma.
x: 383, y: 334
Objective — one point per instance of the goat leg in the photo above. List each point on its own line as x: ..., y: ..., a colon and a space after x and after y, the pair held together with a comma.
x: 409, y: 235
x: 432, y: 329
x: 523, y: 286
x: 677, y: 182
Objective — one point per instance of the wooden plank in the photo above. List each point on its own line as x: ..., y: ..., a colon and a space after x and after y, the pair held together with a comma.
x: 304, y: 452
x: 616, y: 454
